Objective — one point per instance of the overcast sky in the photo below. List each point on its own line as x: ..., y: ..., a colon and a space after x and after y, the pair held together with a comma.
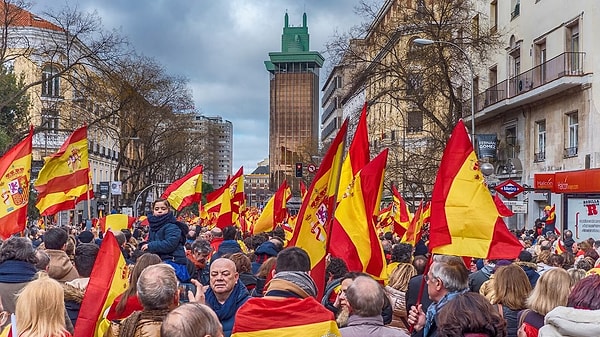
x: 220, y: 46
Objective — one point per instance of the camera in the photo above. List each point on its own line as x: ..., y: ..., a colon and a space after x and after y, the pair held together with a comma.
x: 183, y: 292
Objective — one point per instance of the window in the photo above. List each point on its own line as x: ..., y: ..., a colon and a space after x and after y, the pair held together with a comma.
x: 415, y: 121
x: 511, y: 141
x: 516, y: 8
x: 414, y: 84
x: 494, y: 16
x: 50, y: 85
x: 573, y: 47
x: 50, y: 120
x: 540, y: 61
x: 572, y: 135
x: 540, y: 144
x: 475, y: 26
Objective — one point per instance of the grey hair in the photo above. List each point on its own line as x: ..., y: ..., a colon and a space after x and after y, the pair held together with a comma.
x: 201, y: 246
x: 157, y: 286
x: 451, y: 270
x: 191, y: 320
x: 19, y: 249
x: 365, y: 296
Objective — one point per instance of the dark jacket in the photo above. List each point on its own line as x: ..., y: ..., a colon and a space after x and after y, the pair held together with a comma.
x: 530, y: 269
x: 73, y: 299
x: 227, y: 247
x: 479, y: 277
x: 14, y: 275
x: 166, y: 240
x: 226, y: 311
x: 263, y: 252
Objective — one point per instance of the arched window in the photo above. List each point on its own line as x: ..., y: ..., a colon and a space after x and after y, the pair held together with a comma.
x: 50, y: 82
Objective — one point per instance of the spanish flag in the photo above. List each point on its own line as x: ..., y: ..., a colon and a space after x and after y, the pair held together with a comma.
x: 109, y: 278
x: 275, y: 212
x: 64, y: 178
x: 185, y: 191
x: 225, y: 217
x: 402, y: 216
x: 316, y: 210
x: 15, y: 170
x: 358, y: 154
x: 236, y: 189
x: 302, y: 317
x: 116, y: 222
x: 413, y: 232
x: 213, y: 199
x: 356, y: 241
x: 464, y: 218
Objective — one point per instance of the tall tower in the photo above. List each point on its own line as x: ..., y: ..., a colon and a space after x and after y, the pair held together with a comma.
x: 294, y: 104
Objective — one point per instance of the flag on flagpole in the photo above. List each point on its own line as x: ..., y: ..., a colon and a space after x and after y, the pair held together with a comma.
x: 358, y: 154
x: 225, y: 217
x: 464, y: 218
x: 275, y: 211
x: 316, y: 210
x: 116, y: 222
x: 186, y: 190
x: 15, y: 171
x: 402, y: 216
x: 109, y: 278
x: 413, y: 232
x: 236, y: 188
x: 356, y: 241
x: 64, y: 178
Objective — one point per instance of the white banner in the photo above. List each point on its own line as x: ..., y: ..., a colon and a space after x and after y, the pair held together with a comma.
x: 115, y: 188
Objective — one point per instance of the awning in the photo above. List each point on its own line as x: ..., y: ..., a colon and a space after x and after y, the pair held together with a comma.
x: 581, y: 181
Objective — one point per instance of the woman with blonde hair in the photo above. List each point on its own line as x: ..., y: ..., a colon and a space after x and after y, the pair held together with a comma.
x: 551, y: 290
x: 511, y: 288
x: 40, y: 310
x: 396, y: 292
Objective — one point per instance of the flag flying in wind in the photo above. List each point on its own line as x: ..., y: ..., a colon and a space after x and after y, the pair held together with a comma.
x: 213, y: 199
x: 356, y: 241
x: 109, y: 278
x: 316, y: 211
x: 413, y: 232
x: 185, y: 191
x: 15, y: 170
x: 236, y: 188
x: 502, y: 209
x: 358, y: 154
x: 116, y: 222
x: 402, y: 216
x: 225, y: 217
x: 64, y: 178
x: 275, y: 212
x: 464, y: 218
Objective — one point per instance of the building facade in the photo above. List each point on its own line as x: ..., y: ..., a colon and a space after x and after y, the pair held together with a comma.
x: 256, y: 185
x: 215, y: 136
x: 294, y: 104
x: 541, y: 101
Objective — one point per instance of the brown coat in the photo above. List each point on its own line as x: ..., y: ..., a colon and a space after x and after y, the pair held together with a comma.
x: 398, y: 302
x: 60, y: 267
x: 147, y: 324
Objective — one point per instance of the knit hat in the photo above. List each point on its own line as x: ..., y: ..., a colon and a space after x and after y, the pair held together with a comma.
x: 300, y: 279
x: 86, y: 237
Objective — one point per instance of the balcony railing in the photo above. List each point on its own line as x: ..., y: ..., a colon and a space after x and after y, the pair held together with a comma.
x: 565, y: 64
x: 539, y: 157
x: 570, y: 152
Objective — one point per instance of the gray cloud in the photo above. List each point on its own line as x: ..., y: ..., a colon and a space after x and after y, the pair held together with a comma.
x: 220, y: 47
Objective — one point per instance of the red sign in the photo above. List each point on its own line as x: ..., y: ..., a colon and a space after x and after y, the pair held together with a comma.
x: 312, y: 168
x: 543, y: 181
x: 509, y: 188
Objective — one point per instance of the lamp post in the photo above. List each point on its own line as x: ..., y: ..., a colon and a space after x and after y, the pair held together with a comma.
x: 426, y: 42
x: 142, y: 192
x: 110, y: 168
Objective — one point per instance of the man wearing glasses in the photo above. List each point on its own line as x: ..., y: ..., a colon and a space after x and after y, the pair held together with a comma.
x: 447, y: 277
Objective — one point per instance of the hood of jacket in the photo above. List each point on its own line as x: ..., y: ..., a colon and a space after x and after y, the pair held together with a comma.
x: 229, y: 247
x: 266, y: 248
x: 72, y: 293
x: 566, y: 321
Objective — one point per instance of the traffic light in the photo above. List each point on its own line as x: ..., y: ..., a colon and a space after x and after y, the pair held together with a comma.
x: 298, y: 170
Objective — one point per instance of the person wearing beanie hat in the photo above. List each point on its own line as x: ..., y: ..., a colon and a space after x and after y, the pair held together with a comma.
x: 290, y: 295
x: 85, y: 237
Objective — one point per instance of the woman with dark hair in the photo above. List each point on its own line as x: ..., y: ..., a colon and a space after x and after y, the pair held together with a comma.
x: 470, y: 314
x: 581, y: 316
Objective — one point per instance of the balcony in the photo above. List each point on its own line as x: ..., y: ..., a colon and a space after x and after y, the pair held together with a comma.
x: 539, y: 157
x: 558, y: 74
x: 570, y: 152
x: 50, y: 139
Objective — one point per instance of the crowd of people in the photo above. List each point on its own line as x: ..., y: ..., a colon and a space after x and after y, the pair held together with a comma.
x: 187, y: 280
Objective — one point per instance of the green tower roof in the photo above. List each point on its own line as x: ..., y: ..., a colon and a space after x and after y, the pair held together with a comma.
x: 295, y: 46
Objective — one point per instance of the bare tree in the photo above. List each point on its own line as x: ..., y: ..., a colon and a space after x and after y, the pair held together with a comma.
x: 416, y: 93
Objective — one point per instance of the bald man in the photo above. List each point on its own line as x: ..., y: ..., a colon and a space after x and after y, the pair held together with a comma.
x: 226, y: 293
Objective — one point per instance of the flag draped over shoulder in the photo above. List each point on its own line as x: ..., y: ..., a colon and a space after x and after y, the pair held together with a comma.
x: 185, y: 191
x: 303, y: 317
x: 353, y: 230
x: 358, y: 154
x: 464, y: 218
x: 109, y: 278
x: 15, y: 171
x: 116, y: 222
x: 275, y: 211
x: 316, y: 210
x: 64, y: 178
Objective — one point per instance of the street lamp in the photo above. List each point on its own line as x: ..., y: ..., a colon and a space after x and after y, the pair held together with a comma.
x: 426, y: 42
x: 142, y: 192
x: 110, y: 168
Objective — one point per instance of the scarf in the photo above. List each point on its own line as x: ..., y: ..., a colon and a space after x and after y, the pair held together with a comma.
x: 228, y: 309
x: 156, y: 222
x: 301, y: 279
x: 433, y: 309
x: 14, y: 271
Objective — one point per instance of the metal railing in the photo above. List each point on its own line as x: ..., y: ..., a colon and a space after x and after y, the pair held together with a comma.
x: 570, y: 152
x: 539, y: 156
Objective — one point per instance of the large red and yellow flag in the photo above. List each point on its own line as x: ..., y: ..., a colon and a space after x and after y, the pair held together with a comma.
x: 353, y: 229
x: 413, y: 232
x: 185, y: 191
x: 236, y: 188
x: 358, y: 154
x: 255, y: 318
x: 275, y: 212
x: 402, y: 216
x: 316, y: 210
x: 225, y: 217
x: 213, y: 199
x: 15, y: 171
x: 109, y: 278
x: 64, y: 178
x: 464, y: 218
x: 116, y: 222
